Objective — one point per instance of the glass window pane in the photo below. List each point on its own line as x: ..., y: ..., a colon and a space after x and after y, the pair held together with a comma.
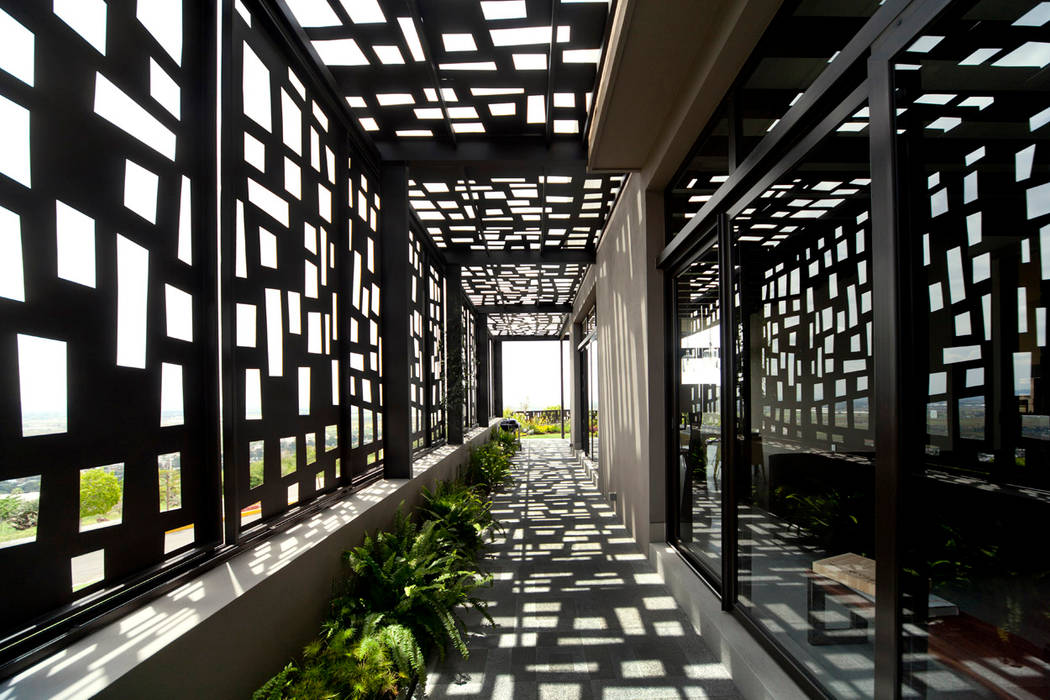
x: 805, y: 465
x: 973, y: 113
x: 700, y: 475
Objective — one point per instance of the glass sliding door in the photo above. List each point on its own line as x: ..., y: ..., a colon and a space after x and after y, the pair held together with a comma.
x: 803, y: 361
x: 974, y: 123
x: 699, y: 460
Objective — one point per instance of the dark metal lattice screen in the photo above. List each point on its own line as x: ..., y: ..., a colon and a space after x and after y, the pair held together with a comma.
x: 417, y: 311
x: 470, y: 369
x: 109, y: 467
x: 365, y: 343
x: 285, y: 162
x: 436, y: 352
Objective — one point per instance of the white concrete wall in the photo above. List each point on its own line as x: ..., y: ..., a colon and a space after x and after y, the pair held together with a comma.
x: 628, y: 293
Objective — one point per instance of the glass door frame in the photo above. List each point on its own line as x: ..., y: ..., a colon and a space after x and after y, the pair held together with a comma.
x: 724, y: 589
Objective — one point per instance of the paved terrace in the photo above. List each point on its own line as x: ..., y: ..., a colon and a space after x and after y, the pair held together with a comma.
x: 580, y: 612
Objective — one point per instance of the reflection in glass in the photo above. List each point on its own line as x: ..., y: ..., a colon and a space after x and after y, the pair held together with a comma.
x: 700, y: 471
x: 805, y: 444
x: 976, y: 569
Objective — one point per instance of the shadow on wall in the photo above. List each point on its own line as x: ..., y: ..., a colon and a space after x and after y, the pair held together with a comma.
x: 622, y: 368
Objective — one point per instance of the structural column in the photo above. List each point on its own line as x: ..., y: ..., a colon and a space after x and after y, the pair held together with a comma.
x: 579, y: 421
x: 396, y: 323
x: 484, y: 403
x: 454, y: 385
x: 497, y: 378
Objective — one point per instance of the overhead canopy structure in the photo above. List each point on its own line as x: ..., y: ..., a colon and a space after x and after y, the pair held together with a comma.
x: 487, y: 102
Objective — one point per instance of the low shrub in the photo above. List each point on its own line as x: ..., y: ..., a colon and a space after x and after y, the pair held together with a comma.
x: 401, y: 599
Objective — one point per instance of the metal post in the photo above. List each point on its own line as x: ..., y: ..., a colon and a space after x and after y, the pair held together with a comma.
x: 481, y: 337
x: 561, y: 386
x: 497, y: 378
x: 579, y: 421
x: 396, y: 326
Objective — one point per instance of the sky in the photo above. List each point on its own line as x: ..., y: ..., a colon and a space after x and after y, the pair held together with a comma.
x: 530, y: 374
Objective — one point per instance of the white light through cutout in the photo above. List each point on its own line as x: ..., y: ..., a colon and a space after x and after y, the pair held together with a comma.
x: 163, y: 19
x: 16, y: 48
x: 502, y: 109
x: 14, y: 142
x: 116, y: 107
x: 522, y: 36
x: 164, y: 90
x: 186, y: 222
x: 469, y: 65
x: 255, y: 88
x: 566, y: 126
x: 86, y: 18
x: 252, y: 394
x: 364, y: 11
x: 87, y: 569
x: 267, y: 249
x: 459, y: 42
x: 12, y: 282
x: 493, y: 92
x: 132, y: 289
x: 530, y: 61
x: 1031, y: 54
x: 274, y: 338
x: 389, y: 99
x: 1036, y: 17
x: 291, y: 123
x: 581, y: 55
x: 313, y: 13
x: 140, y: 191
x: 293, y: 179
x: 75, y: 243
x: 536, y: 110
x: 313, y: 332
x: 408, y: 29
x: 171, y: 411
x: 267, y: 201
x: 564, y: 99
x: 246, y: 318
x: 503, y: 9
x: 304, y: 391
x: 178, y: 307
x: 42, y: 385
x: 254, y: 152
x: 389, y: 55
x: 340, y: 52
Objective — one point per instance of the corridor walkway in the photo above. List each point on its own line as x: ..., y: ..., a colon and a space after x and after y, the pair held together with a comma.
x: 580, y: 612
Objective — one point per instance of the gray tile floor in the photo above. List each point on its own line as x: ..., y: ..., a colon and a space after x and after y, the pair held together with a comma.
x: 580, y: 612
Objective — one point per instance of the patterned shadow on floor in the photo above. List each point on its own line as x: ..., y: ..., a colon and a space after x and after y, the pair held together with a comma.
x: 580, y: 611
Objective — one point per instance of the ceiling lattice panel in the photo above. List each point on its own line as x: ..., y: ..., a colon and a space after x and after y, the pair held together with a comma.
x: 534, y: 211
x: 525, y: 324
x: 506, y: 67
x: 486, y: 285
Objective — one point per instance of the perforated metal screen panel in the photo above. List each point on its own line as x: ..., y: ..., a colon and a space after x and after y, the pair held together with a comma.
x: 109, y: 459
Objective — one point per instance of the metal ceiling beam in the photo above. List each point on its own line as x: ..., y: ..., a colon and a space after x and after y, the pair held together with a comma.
x: 516, y: 338
x: 518, y: 257
x: 420, y: 25
x: 524, y: 150
x: 524, y: 308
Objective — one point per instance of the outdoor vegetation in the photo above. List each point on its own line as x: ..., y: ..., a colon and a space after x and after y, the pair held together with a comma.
x: 400, y: 601
x: 540, y: 424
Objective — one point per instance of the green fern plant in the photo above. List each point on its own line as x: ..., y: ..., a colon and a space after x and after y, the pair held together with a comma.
x: 463, y: 511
